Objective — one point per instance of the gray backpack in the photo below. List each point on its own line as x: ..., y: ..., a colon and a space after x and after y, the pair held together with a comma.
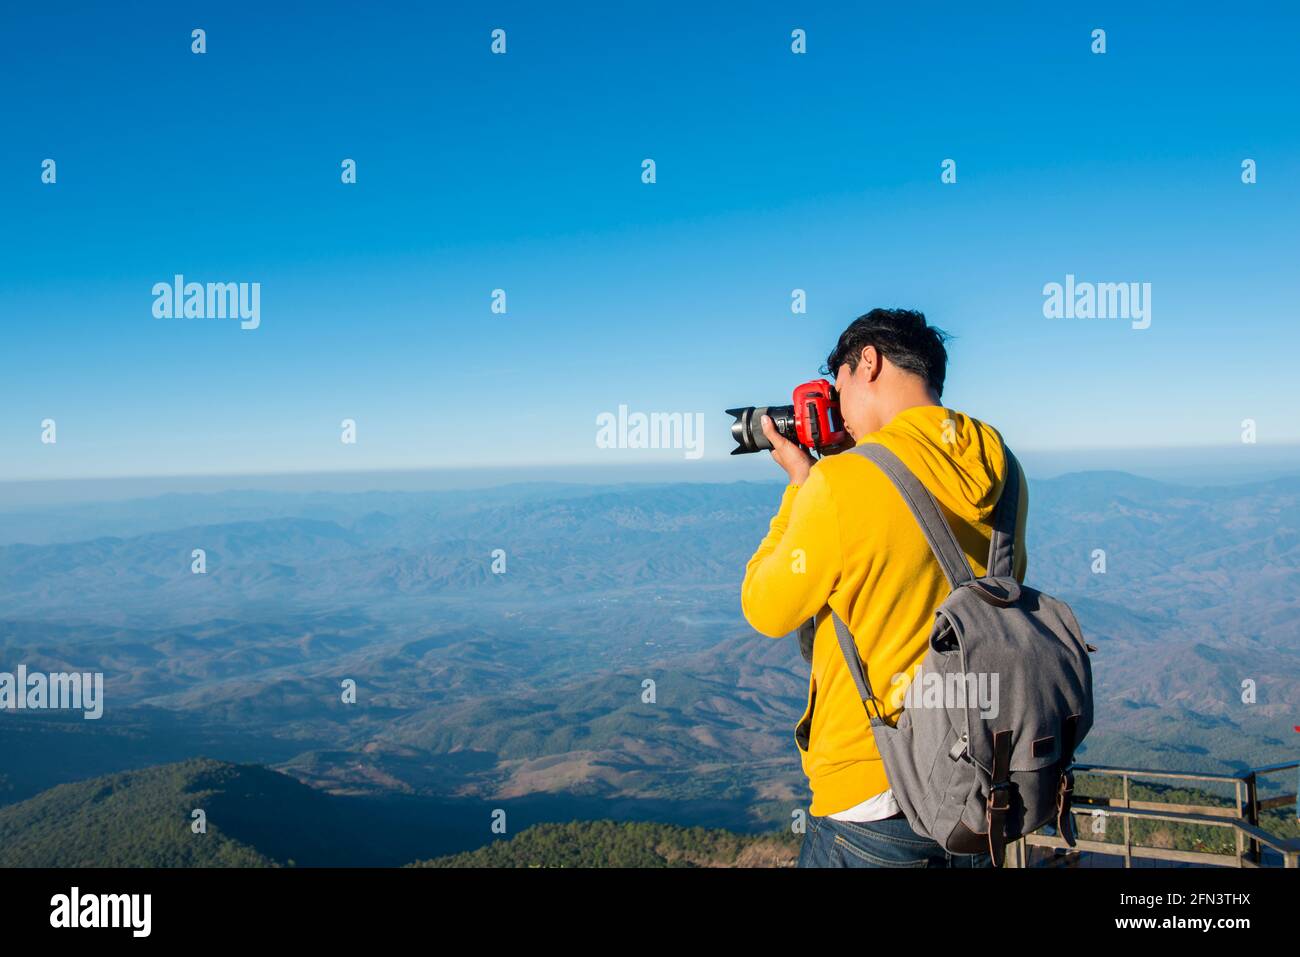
x: 969, y: 777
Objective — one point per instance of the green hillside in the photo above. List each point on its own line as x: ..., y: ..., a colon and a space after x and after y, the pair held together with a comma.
x: 261, y: 818
x: 618, y: 844
x: 256, y: 817
x: 133, y: 819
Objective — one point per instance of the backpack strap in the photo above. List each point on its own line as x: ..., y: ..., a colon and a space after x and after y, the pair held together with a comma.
x: 937, y: 531
x: 938, y: 534
x: 1002, y: 541
x: 850, y: 650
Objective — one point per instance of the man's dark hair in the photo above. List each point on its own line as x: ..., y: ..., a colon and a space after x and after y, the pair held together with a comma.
x: 901, y: 336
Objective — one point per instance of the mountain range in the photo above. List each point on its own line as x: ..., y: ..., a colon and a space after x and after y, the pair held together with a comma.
x: 478, y: 683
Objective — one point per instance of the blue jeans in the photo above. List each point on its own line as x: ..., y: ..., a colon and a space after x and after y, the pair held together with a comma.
x: 887, y: 843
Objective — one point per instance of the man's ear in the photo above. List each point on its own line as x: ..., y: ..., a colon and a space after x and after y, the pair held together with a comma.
x: 870, y: 360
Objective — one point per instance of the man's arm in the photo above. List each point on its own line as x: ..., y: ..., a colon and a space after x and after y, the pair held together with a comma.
x: 798, y: 563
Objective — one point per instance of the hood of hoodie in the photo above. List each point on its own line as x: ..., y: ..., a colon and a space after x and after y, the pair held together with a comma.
x: 960, y: 459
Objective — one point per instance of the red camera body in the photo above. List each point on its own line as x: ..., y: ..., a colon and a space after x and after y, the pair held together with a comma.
x: 813, y: 420
x: 817, y: 415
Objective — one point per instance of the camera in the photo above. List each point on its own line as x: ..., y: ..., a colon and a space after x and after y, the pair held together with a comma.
x: 812, y: 420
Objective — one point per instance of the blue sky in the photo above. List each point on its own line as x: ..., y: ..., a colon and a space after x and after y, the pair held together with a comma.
x: 523, y: 172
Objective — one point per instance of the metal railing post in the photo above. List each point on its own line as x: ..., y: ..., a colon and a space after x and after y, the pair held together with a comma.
x: 1240, y: 836
x: 1252, y: 814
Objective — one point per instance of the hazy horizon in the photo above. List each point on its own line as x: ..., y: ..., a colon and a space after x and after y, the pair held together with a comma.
x: 1226, y: 465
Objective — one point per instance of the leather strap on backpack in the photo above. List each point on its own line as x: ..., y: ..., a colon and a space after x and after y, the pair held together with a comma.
x: 1065, y: 790
x: 999, y: 802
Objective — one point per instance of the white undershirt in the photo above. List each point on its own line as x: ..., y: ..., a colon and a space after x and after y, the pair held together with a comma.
x: 874, y: 808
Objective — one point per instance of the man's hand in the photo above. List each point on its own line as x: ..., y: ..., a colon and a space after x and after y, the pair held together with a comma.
x: 792, y: 457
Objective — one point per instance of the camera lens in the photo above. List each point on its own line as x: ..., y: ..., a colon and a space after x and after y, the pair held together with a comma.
x: 747, y: 429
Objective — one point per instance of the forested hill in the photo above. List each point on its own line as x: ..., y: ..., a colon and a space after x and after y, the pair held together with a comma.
x: 257, y: 817
x: 620, y: 844
x: 254, y: 816
x: 134, y: 819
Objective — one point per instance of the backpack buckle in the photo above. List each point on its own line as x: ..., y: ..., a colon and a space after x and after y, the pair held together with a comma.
x: 1002, y: 790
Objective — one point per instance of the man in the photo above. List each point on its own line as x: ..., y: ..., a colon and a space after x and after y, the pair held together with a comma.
x: 844, y: 539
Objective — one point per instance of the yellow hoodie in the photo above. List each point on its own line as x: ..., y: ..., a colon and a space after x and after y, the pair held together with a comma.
x: 846, y: 540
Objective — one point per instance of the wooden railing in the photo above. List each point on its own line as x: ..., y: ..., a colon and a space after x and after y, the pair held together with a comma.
x: 1243, y: 819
